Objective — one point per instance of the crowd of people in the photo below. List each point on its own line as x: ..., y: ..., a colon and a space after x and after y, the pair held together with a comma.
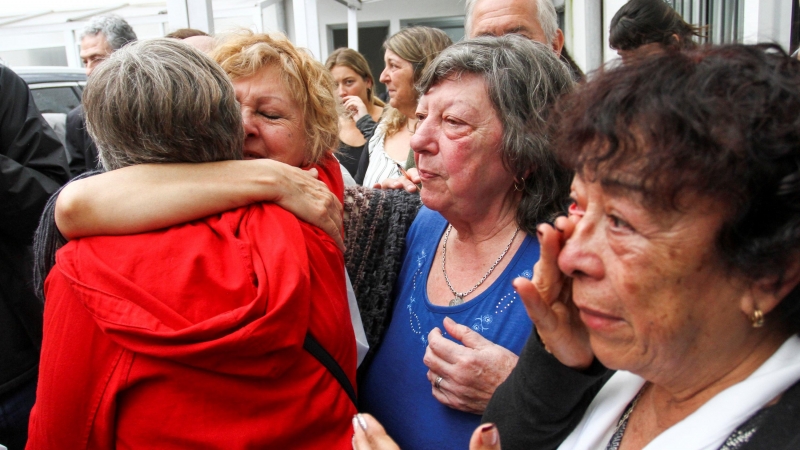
x: 502, y: 254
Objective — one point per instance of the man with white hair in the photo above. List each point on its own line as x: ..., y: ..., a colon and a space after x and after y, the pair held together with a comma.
x: 100, y: 38
x: 534, y: 19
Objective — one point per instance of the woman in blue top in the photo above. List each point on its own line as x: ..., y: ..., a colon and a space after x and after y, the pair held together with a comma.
x: 488, y: 176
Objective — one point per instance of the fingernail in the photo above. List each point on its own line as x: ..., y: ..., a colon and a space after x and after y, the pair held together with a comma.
x: 489, y: 435
x: 358, y: 420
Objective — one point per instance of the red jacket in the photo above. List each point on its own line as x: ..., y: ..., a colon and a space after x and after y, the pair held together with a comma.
x: 191, y: 337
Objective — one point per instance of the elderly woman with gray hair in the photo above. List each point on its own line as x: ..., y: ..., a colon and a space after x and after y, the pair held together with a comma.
x: 203, y: 334
x: 488, y: 178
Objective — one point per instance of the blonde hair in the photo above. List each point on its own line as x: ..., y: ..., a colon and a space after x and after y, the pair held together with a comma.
x: 419, y: 46
x: 355, y: 61
x: 244, y: 53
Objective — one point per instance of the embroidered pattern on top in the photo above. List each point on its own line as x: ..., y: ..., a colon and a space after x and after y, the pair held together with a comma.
x: 479, y: 324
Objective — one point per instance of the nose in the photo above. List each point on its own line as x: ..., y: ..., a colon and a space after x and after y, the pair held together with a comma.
x: 90, y: 65
x: 424, y: 140
x: 250, y: 130
x: 384, y: 78
x: 340, y: 90
x: 580, y: 256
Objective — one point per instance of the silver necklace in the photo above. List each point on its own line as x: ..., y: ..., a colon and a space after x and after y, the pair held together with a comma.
x: 459, y: 296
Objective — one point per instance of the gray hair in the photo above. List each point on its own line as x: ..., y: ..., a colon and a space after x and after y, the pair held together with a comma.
x: 546, y: 16
x: 523, y: 80
x: 160, y: 101
x: 116, y: 30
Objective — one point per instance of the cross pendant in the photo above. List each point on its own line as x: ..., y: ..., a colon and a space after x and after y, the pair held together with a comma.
x: 456, y: 301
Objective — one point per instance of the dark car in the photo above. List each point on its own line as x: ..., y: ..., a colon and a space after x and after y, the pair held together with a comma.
x: 56, y: 91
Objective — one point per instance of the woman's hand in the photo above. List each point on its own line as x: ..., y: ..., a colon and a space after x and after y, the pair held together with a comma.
x: 369, y: 434
x: 470, y: 372
x: 356, y: 106
x: 310, y: 200
x: 410, y: 182
x: 548, y: 300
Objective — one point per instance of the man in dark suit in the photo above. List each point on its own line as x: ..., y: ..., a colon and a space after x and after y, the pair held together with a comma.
x: 102, y: 36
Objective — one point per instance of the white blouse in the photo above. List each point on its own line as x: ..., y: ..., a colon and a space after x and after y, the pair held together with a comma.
x: 381, y: 165
x: 705, y: 429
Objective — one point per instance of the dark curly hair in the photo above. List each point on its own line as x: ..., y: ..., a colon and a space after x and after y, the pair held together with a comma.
x: 641, y: 22
x: 719, y: 122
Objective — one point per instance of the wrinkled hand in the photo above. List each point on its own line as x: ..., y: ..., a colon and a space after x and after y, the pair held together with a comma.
x: 302, y: 194
x: 470, y: 372
x: 369, y: 434
x: 485, y: 437
x: 410, y: 182
x: 548, y: 300
x: 356, y: 106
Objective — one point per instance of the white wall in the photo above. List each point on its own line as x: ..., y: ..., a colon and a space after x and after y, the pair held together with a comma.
x: 384, y: 12
x: 610, y: 7
x: 768, y: 21
x: 584, y: 32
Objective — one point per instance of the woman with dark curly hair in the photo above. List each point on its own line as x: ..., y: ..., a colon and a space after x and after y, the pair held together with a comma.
x: 682, y: 250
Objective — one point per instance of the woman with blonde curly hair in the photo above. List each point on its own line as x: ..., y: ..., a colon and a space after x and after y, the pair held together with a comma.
x: 287, y: 100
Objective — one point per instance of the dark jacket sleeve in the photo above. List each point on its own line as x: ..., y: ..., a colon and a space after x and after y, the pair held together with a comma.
x: 367, y: 127
x: 542, y: 400
x: 32, y: 160
x: 48, y: 240
x: 82, y: 151
x: 75, y: 144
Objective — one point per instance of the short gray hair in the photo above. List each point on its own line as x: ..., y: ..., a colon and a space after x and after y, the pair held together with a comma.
x: 546, y: 16
x: 116, y: 30
x: 160, y: 101
x: 523, y: 80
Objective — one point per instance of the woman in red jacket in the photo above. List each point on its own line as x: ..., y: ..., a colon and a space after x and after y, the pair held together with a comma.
x: 192, y: 336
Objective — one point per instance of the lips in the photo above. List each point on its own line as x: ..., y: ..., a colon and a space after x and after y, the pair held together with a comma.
x: 252, y: 155
x: 598, y: 321
x: 425, y: 175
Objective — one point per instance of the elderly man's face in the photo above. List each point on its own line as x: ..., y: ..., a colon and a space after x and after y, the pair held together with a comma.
x: 94, y: 50
x: 500, y: 17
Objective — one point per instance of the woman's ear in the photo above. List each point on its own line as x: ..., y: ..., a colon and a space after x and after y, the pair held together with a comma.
x: 768, y: 292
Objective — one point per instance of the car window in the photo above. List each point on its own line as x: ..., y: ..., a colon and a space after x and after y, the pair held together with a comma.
x: 55, y: 99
